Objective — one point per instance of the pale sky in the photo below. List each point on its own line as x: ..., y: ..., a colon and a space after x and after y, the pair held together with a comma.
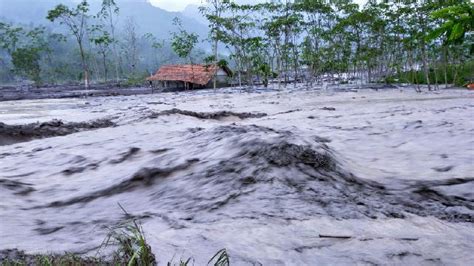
x: 174, y: 5
x: 180, y: 5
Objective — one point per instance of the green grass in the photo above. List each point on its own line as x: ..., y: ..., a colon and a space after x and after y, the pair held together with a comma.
x: 131, y: 242
x: 53, y: 260
x: 131, y: 246
x: 221, y: 258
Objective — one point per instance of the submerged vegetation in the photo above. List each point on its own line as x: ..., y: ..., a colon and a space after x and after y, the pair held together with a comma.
x: 429, y: 42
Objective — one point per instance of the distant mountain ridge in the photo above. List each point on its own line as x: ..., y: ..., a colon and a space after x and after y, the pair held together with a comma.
x: 150, y: 19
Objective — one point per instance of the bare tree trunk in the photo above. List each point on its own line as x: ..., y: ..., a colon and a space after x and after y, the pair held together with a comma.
x: 425, y: 65
x: 423, y: 51
x: 240, y: 73
x: 446, y: 64
x: 278, y: 48
x: 131, y: 39
x: 192, y: 67
x: 369, y: 72
x: 413, y: 74
x: 84, y: 66
x: 216, y: 61
x: 104, y: 62
x: 295, y: 59
x: 114, y: 46
x: 456, y: 71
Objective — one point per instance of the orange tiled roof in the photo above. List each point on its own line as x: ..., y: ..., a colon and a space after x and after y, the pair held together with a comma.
x: 197, y: 74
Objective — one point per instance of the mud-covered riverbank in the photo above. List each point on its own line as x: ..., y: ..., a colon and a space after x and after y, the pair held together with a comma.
x: 13, y: 93
x: 266, y: 175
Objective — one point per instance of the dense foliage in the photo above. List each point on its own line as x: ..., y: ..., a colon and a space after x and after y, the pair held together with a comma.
x: 410, y: 41
x: 82, y: 41
x: 312, y: 40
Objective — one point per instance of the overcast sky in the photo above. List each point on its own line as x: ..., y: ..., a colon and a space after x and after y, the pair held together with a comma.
x: 174, y: 5
x: 179, y: 5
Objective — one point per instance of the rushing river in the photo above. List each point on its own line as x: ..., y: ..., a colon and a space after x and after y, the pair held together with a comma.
x: 282, y: 177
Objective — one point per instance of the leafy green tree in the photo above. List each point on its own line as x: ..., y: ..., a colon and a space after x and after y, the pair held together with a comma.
x: 213, y: 11
x: 10, y: 36
x: 457, y: 21
x: 455, y: 28
x: 26, y: 61
x: 318, y: 17
x: 102, y: 41
x: 75, y: 19
x: 25, y: 49
x: 157, y: 48
x: 183, y: 43
x: 108, y: 14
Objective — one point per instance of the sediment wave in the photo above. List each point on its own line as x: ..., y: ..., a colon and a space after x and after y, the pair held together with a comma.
x: 365, y: 184
x: 253, y: 171
x: 144, y: 177
x: 11, y: 134
x: 207, y: 115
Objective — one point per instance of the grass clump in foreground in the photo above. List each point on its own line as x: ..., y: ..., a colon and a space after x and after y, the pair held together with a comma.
x: 132, y: 250
x: 132, y: 246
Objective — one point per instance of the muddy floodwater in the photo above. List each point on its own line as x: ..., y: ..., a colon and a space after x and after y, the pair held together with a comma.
x: 290, y: 177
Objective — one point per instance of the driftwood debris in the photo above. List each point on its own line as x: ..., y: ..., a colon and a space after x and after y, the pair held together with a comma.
x: 335, y: 237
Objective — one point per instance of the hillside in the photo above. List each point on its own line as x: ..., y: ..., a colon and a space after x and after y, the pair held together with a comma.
x: 150, y: 19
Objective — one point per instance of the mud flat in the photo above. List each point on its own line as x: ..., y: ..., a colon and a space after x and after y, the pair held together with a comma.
x: 276, y: 177
x: 11, y: 93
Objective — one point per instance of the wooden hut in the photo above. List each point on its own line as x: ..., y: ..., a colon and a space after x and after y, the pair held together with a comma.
x: 190, y: 76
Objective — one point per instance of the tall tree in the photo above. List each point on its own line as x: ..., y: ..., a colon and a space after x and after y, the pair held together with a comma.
x: 102, y: 41
x: 317, y: 14
x: 75, y: 20
x: 157, y: 48
x: 130, y: 44
x: 183, y: 42
x: 213, y: 11
x: 26, y: 61
x: 25, y: 48
x: 10, y: 36
x: 108, y: 14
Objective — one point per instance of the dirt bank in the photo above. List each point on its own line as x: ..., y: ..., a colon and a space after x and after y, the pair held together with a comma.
x: 11, y: 93
x: 10, y: 134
